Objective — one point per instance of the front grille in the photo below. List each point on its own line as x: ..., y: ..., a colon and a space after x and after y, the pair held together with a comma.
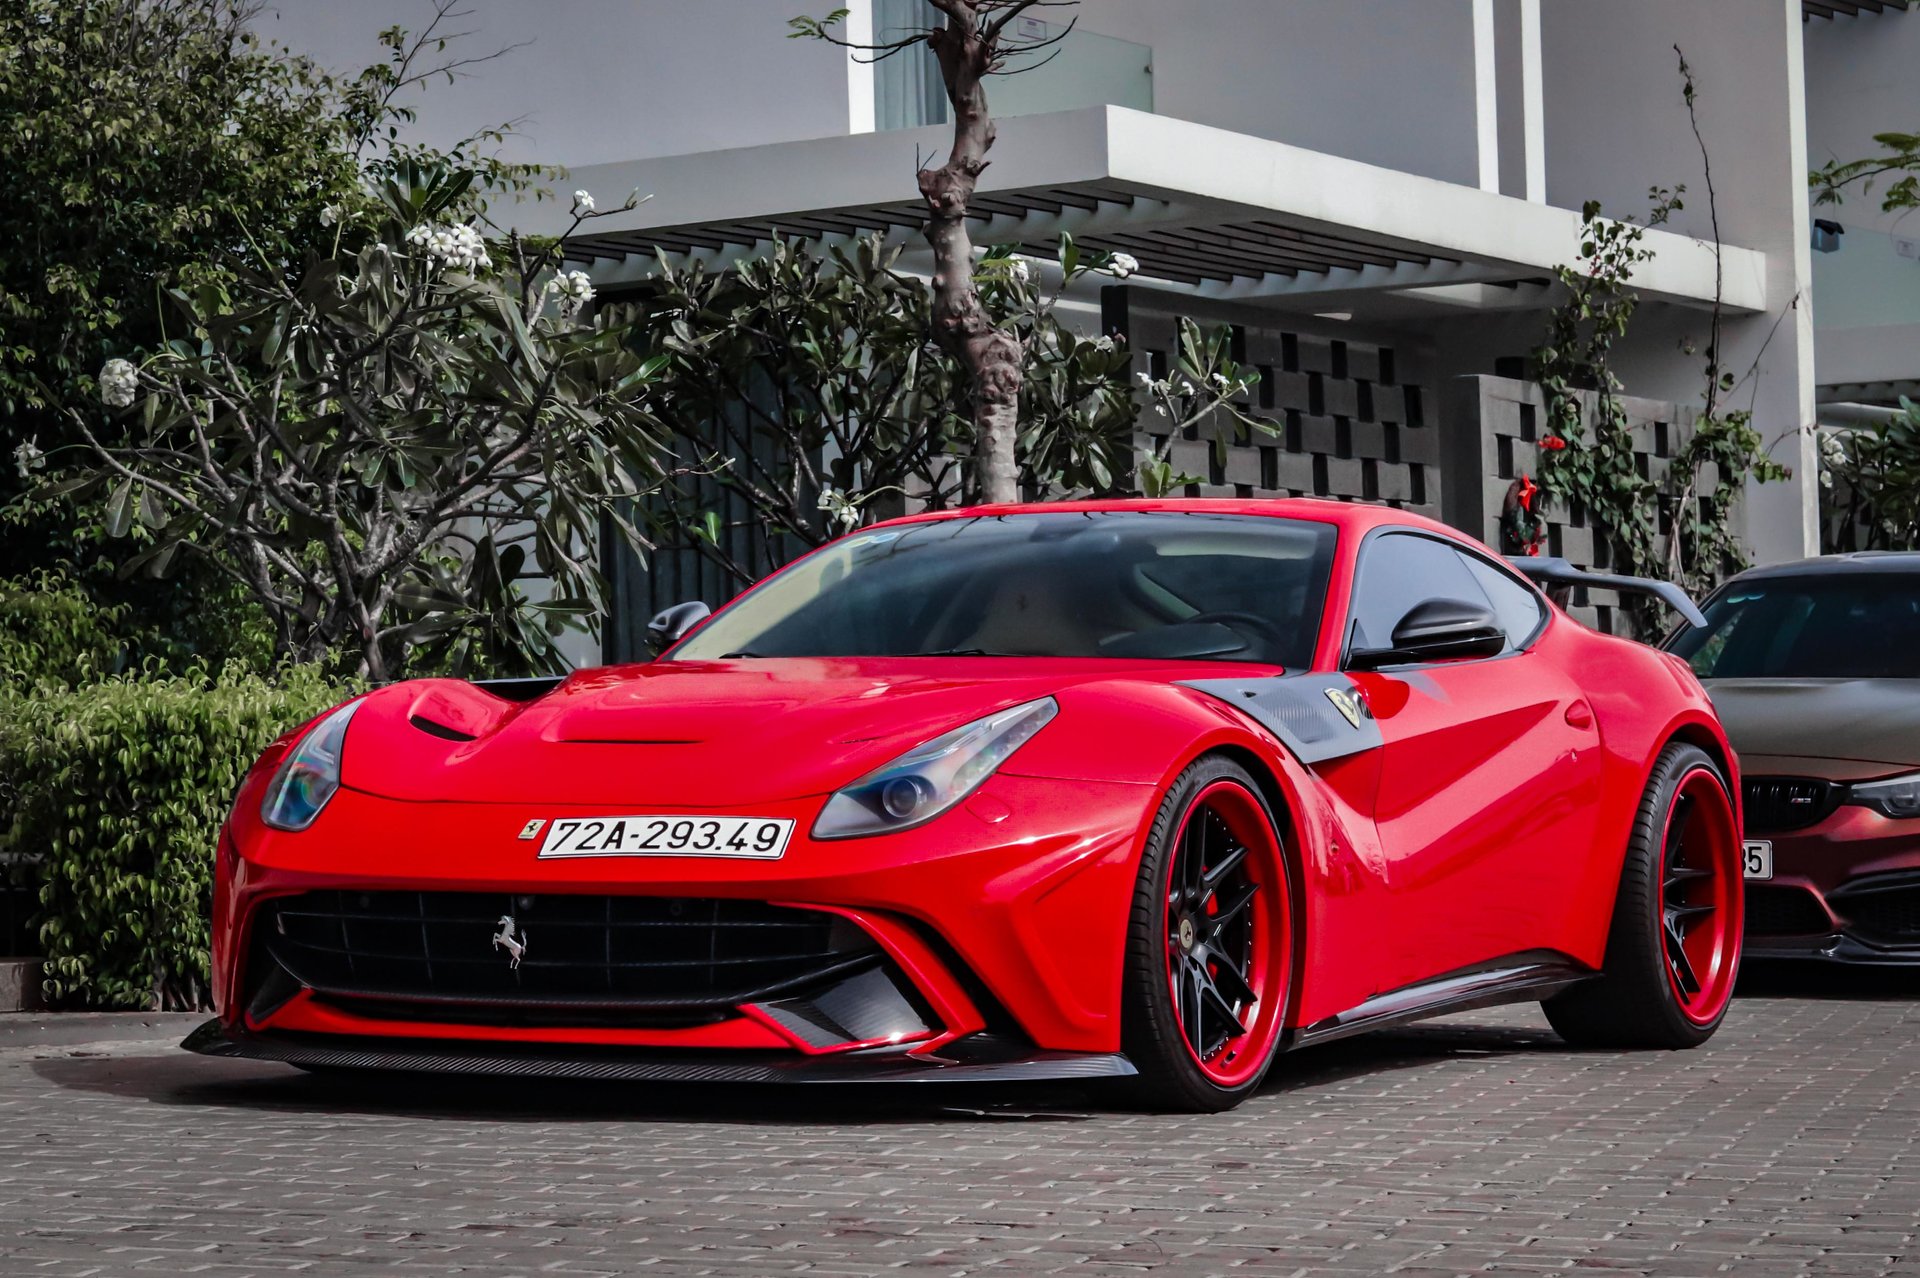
x: 1775, y: 805
x: 588, y: 958
x: 1888, y: 914
x: 1778, y: 910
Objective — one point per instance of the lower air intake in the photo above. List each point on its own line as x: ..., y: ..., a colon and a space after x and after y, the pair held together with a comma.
x: 480, y: 957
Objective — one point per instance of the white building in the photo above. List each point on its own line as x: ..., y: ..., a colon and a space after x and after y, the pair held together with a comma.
x: 1376, y: 192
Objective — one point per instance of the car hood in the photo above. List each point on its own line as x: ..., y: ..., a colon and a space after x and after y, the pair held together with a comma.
x: 691, y: 734
x: 1863, y: 720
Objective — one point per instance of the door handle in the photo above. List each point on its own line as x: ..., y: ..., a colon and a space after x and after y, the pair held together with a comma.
x: 1579, y: 715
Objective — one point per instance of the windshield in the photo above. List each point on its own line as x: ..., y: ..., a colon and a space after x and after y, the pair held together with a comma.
x: 1068, y: 584
x: 1855, y: 626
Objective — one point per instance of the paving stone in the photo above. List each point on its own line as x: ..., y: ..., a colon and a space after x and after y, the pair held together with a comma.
x: 1788, y: 1146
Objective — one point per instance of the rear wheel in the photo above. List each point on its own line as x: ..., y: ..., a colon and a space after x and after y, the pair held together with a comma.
x: 1674, y: 948
x: 1210, y: 943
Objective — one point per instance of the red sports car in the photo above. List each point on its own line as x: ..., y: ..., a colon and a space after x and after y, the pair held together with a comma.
x: 1150, y: 790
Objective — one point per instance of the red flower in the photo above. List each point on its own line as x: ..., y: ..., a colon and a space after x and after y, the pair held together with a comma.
x: 1553, y: 443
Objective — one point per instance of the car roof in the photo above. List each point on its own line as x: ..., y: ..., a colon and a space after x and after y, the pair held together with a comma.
x: 1882, y: 562
x: 1350, y: 516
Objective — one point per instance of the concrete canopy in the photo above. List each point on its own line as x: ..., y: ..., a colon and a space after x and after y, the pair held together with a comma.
x: 1214, y: 213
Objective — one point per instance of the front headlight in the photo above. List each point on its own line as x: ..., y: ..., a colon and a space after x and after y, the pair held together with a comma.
x: 927, y: 780
x: 1894, y: 797
x: 309, y: 775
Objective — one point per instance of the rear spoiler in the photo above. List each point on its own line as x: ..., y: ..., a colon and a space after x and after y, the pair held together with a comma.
x: 1543, y: 571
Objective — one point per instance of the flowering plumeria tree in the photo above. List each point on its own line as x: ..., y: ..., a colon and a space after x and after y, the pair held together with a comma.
x: 1204, y: 387
x: 386, y: 447
x: 971, y: 40
x: 812, y: 381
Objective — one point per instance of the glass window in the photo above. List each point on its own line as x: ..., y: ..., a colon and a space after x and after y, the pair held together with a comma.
x: 908, y: 90
x: 1519, y: 607
x: 1846, y: 626
x: 1400, y: 570
x: 1397, y: 571
x: 1073, y: 584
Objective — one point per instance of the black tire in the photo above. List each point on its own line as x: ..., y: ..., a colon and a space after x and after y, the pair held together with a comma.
x: 1151, y: 1028
x: 1634, y: 1002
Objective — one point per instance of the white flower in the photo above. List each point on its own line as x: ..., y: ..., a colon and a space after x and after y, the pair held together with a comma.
x: 574, y: 288
x: 1122, y: 265
x: 118, y: 382
x: 1146, y: 380
x: 583, y: 201
x: 1104, y: 344
x: 840, y: 508
x: 331, y: 215
x: 1021, y: 270
x: 458, y: 245
x: 28, y: 458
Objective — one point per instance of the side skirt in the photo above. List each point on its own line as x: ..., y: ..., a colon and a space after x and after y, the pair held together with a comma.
x: 1518, y: 978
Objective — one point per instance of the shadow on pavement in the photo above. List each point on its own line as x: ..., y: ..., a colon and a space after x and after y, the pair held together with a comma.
x: 178, y: 1078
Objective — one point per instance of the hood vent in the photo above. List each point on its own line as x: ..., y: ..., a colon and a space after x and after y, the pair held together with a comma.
x: 440, y: 730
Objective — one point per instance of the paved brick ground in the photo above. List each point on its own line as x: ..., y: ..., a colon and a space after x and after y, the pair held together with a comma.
x: 1788, y: 1146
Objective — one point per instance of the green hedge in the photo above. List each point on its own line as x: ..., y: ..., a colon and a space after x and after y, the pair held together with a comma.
x: 52, y: 632
x: 118, y: 789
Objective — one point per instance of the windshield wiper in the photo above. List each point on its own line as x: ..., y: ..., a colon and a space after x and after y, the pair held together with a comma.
x: 957, y: 652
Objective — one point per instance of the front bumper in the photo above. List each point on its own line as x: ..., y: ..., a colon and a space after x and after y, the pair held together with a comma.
x: 1845, y: 890
x: 978, y: 1059
x: 1006, y: 915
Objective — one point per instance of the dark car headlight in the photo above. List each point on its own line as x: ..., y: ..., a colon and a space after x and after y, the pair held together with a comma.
x: 927, y: 780
x: 309, y: 775
x: 1895, y: 796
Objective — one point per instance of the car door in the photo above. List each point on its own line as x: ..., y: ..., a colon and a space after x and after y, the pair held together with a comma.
x: 1490, y: 767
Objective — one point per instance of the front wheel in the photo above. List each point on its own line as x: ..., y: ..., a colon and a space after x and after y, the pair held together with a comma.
x: 1210, y: 943
x: 1674, y: 947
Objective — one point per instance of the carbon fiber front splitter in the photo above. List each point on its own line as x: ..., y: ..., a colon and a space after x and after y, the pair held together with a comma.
x: 968, y: 1061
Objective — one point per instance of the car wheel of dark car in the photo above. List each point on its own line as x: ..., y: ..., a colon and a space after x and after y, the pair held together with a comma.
x: 1210, y: 943
x: 1674, y: 948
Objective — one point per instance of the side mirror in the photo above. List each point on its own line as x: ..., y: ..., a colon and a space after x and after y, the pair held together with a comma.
x: 1437, y: 630
x: 671, y: 626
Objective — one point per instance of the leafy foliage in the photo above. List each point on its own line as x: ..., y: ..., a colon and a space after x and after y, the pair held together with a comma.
x: 1872, y: 474
x: 118, y: 788
x: 144, y: 142
x: 806, y: 387
x: 1588, y: 461
x: 1205, y: 384
x: 383, y: 448
x: 1587, y: 457
x: 52, y: 633
x: 1899, y: 158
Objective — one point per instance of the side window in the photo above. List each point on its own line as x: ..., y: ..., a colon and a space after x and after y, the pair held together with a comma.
x: 1519, y: 609
x: 1399, y: 570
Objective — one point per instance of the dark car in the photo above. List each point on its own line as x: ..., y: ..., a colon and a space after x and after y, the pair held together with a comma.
x: 1814, y: 667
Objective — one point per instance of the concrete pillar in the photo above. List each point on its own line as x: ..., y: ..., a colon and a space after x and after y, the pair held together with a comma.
x: 1616, y: 124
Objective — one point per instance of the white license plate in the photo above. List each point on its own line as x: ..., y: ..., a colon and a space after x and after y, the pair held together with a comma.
x: 1758, y: 858
x: 757, y: 838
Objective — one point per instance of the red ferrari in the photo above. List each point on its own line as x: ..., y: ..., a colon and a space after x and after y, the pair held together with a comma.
x: 1145, y: 790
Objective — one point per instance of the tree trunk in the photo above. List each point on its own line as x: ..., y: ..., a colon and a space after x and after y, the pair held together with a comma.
x: 960, y: 323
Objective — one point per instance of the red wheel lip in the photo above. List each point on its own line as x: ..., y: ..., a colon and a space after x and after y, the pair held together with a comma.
x: 1271, y: 967
x: 1727, y: 921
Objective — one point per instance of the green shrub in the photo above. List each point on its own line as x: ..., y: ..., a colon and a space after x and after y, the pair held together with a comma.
x: 51, y: 631
x: 118, y: 789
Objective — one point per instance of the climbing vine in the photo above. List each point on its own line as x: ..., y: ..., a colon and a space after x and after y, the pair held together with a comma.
x: 1677, y: 525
